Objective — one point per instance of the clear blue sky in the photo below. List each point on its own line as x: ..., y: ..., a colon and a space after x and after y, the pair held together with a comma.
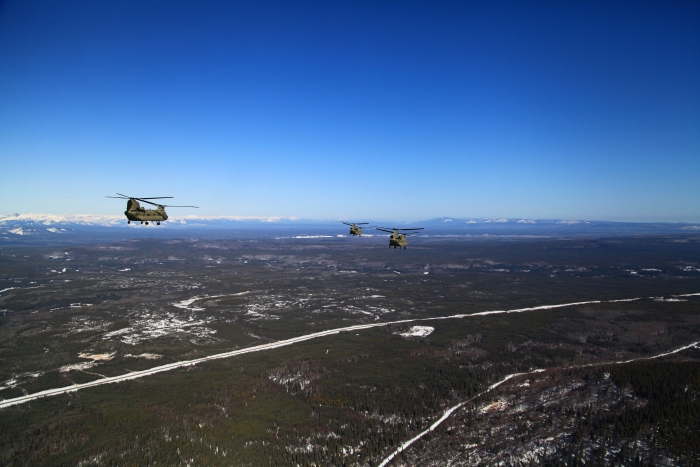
x: 362, y: 110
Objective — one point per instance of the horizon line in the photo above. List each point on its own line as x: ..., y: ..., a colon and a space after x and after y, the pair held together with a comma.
x: 73, y: 217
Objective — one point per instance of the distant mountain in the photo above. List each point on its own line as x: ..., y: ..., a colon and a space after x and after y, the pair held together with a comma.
x: 33, y: 219
x: 451, y: 221
x: 53, y: 225
x: 546, y: 227
x: 34, y: 227
x: 39, y: 220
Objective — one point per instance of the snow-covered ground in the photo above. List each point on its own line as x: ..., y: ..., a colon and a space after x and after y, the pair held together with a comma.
x: 148, y: 325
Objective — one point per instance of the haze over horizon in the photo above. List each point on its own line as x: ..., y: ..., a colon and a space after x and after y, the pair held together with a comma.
x: 354, y: 110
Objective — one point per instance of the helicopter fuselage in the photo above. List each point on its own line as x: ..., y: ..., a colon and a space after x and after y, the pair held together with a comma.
x: 134, y: 212
x: 154, y: 215
x: 398, y: 240
x: 356, y: 231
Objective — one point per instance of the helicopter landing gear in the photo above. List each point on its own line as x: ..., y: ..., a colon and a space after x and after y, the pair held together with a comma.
x: 141, y: 222
x: 146, y: 222
x: 128, y: 222
x: 158, y: 223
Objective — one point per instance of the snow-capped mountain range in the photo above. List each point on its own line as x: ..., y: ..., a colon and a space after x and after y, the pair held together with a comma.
x: 119, y: 220
x: 49, y: 224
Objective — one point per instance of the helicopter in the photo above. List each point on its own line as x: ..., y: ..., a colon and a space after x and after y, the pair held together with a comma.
x: 134, y: 211
x: 354, y: 229
x: 398, y: 239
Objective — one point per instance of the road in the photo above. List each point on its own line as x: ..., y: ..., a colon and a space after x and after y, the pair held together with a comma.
x: 274, y: 345
x: 451, y: 410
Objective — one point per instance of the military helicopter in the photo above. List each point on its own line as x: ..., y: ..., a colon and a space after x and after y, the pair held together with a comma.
x: 354, y: 229
x: 398, y: 239
x: 134, y: 211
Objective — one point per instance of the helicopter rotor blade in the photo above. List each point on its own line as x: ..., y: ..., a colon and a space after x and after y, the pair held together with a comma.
x: 133, y: 197
x: 144, y: 201
x: 387, y: 229
x: 166, y: 205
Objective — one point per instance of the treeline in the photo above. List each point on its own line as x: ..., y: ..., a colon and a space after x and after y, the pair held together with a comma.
x: 665, y: 425
x: 343, y: 425
x: 340, y: 419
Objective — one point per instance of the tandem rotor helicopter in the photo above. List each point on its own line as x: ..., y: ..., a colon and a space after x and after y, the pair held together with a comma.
x: 354, y: 229
x: 134, y: 211
x: 398, y: 237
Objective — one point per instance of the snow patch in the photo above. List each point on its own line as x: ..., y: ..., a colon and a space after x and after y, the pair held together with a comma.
x: 572, y: 222
x: 147, y: 356
x: 97, y: 356
x: 418, y: 331
x: 185, y: 304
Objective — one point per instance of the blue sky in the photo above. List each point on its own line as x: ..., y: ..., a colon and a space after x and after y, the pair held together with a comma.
x: 361, y: 110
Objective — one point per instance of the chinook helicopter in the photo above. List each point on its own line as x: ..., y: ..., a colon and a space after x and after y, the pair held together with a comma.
x: 134, y: 211
x: 398, y: 239
x: 354, y: 229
